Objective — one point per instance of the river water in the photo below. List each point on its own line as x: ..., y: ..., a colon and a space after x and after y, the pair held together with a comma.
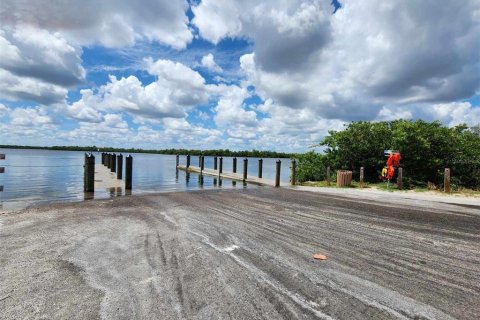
x: 34, y: 177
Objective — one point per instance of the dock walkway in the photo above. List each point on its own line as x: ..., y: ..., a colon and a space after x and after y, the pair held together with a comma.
x: 228, y: 175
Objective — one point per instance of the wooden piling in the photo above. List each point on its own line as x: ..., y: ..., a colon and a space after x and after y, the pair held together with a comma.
x: 446, y: 180
x: 188, y: 160
x: 119, y: 166
x: 202, y: 163
x: 277, y: 173
x: 177, y: 160
x: 234, y: 165
x: 328, y: 176
x: 362, y: 177
x: 215, y: 163
x: 89, y: 173
x: 260, y: 168
x: 199, y: 161
x: 128, y: 172
x: 220, y: 167
x: 107, y: 159
x: 245, y: 169
x: 400, y: 179
x: 114, y: 163
x: 293, y: 178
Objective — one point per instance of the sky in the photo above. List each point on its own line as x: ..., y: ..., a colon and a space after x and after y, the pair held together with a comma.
x: 237, y: 74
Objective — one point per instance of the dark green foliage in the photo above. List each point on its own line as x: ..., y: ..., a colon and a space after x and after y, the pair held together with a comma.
x: 311, y: 166
x: 426, y: 149
x: 219, y: 152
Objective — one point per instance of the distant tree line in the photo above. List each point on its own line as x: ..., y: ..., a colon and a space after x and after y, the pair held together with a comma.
x: 426, y: 149
x: 216, y: 152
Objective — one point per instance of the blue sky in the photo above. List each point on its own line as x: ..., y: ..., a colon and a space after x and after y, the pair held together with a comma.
x: 274, y: 75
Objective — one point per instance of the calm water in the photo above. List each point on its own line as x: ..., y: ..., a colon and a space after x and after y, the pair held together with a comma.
x: 34, y: 177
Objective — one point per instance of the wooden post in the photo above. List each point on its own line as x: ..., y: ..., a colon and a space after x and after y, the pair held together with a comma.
x: 220, y: 167
x: 128, y: 172
x: 400, y: 179
x: 119, y: 166
x: 177, y: 161
x: 245, y: 169
x: 328, y: 175
x: 234, y: 165
x: 202, y: 163
x: 199, y: 161
x: 446, y: 180
x: 294, y: 172
x: 107, y: 160
x: 260, y: 168
x: 188, y: 161
x: 89, y: 185
x: 215, y: 163
x: 277, y: 173
x: 362, y: 177
x: 114, y: 163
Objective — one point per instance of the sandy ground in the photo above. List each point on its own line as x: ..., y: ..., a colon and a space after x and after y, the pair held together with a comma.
x: 242, y: 254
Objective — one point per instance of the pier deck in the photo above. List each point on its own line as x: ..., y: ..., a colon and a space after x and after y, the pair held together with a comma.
x: 104, y: 179
x: 229, y: 175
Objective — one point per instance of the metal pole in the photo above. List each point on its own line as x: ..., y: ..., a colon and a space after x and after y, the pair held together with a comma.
x: 294, y: 172
x: 234, y: 166
x: 277, y: 173
x: 128, y: 172
x: 119, y: 166
x: 400, y: 178
x: 260, y: 168
x: 245, y: 169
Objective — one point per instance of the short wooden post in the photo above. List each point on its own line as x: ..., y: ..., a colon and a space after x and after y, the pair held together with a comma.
x: 89, y: 185
x: 108, y: 160
x: 260, y: 168
x: 119, y: 166
x: 188, y: 161
x: 293, y: 178
x: 199, y: 161
x: 245, y: 169
x: 202, y: 163
x: 328, y: 175
x: 446, y: 180
x: 215, y: 163
x: 400, y: 179
x: 277, y: 173
x: 234, y: 165
x: 128, y: 172
x: 114, y: 163
x: 103, y: 157
x: 220, y: 167
x: 177, y: 161
x: 362, y: 177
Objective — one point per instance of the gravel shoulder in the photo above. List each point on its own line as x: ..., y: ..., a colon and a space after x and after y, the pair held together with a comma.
x: 242, y: 254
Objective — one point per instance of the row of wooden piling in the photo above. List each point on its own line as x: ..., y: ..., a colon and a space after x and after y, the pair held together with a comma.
x: 344, y: 178
x: 218, y: 166
x: 2, y: 169
x: 111, y: 161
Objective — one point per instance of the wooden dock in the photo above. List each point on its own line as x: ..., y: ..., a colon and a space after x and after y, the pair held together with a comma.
x: 105, y: 179
x: 228, y: 175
